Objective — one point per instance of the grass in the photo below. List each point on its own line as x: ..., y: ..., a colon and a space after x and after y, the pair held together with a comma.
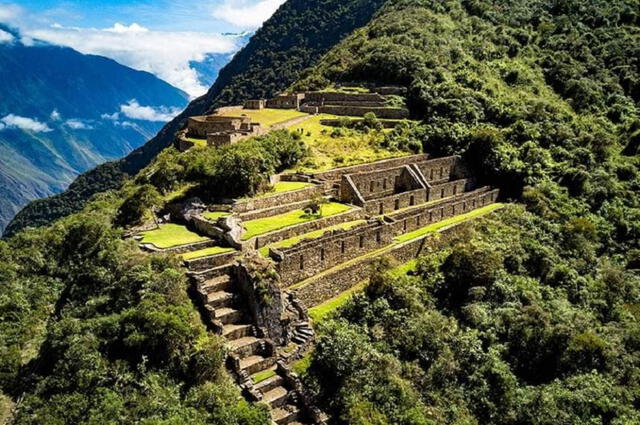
x: 282, y: 187
x: 352, y: 148
x: 320, y: 312
x: 198, y: 142
x: 215, y: 215
x: 401, y: 239
x: 171, y: 235
x: 266, y: 117
x: 311, y: 235
x: 207, y: 252
x: 446, y: 223
x: 263, y: 376
x: 292, y: 218
x: 5, y: 409
x: 178, y: 193
x: 404, y: 269
x: 301, y: 366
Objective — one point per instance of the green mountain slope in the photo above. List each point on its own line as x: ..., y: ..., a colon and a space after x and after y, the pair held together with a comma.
x: 290, y: 41
x: 52, y: 127
x: 531, y: 316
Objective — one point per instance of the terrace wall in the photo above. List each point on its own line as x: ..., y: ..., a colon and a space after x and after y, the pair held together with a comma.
x: 336, y: 174
x: 332, y: 97
x: 300, y: 229
x: 311, y: 257
x: 395, y: 202
x: 420, y: 217
x: 280, y: 199
x: 445, y: 190
x: 333, y: 283
x: 378, y: 184
x: 210, y: 262
x: 360, y: 111
x: 440, y: 169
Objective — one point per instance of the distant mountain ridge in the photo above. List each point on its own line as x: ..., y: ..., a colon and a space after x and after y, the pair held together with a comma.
x: 293, y: 39
x: 62, y: 113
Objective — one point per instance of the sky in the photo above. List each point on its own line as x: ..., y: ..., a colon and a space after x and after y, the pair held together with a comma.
x: 158, y: 36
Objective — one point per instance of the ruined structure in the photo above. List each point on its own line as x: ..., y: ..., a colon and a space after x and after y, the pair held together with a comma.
x: 222, y: 130
x: 259, y: 301
x: 256, y: 104
x: 338, y: 103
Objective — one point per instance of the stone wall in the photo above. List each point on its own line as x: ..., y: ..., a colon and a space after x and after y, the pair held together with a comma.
x: 311, y: 257
x: 332, y: 284
x: 210, y: 262
x: 395, y: 202
x: 333, y: 97
x: 445, y: 190
x: 338, y: 123
x: 286, y: 101
x: 280, y: 199
x: 336, y: 174
x: 254, y: 104
x: 420, y: 217
x: 378, y: 184
x: 360, y: 111
x: 301, y: 229
x: 439, y: 169
x: 201, y: 126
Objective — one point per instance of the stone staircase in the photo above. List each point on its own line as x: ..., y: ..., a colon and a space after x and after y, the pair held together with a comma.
x: 251, y: 353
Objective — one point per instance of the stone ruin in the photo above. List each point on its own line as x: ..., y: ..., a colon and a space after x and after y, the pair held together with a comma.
x: 218, y: 130
x: 338, y: 103
x: 255, y: 104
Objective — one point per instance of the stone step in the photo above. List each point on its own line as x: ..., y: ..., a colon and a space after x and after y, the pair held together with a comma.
x: 245, y: 346
x: 236, y: 331
x: 254, y: 364
x: 219, y: 283
x: 304, y: 331
x: 228, y: 315
x: 276, y: 397
x: 285, y: 415
x: 220, y: 299
x: 269, y: 384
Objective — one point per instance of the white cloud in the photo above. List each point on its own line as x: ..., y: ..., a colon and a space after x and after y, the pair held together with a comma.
x: 5, y: 37
x: 245, y: 13
x: 23, y: 123
x: 10, y: 12
x: 113, y: 117
x: 135, y: 111
x: 163, y: 53
x: 55, y: 115
x: 75, y: 124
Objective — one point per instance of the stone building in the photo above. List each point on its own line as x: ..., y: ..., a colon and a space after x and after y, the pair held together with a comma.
x: 222, y: 130
x: 286, y: 101
x: 256, y: 104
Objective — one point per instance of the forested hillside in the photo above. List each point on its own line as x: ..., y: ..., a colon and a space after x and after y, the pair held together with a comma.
x: 531, y: 317
x: 290, y: 41
x: 527, y: 317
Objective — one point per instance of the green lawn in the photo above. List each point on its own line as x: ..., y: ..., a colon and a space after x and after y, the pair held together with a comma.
x: 198, y: 142
x: 263, y: 376
x: 322, y: 311
x: 271, y: 224
x: 181, y: 191
x: 331, y: 152
x: 448, y: 222
x: 215, y: 215
x: 266, y: 117
x: 207, y: 252
x: 311, y: 235
x: 171, y: 235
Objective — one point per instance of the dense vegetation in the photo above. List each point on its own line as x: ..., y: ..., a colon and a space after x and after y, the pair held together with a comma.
x: 533, y: 317
x: 290, y: 41
x: 529, y: 317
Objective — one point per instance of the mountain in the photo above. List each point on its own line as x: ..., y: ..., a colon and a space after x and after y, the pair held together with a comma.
x: 294, y: 38
x: 62, y: 113
x: 209, y: 68
x: 528, y: 316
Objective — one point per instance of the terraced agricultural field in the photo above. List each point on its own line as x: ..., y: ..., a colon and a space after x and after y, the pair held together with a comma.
x: 266, y: 117
x: 270, y: 224
x: 171, y: 235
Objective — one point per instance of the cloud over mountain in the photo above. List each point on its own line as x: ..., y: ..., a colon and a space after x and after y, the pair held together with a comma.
x: 246, y: 14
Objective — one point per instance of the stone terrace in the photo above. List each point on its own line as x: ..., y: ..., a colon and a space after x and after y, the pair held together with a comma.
x: 383, y: 208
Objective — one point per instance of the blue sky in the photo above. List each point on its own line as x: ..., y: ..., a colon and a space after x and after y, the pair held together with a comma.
x: 161, y: 36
